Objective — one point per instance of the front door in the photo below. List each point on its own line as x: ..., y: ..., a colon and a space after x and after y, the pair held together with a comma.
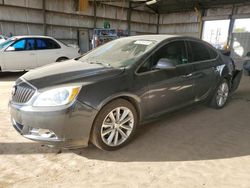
x: 22, y: 55
x: 168, y: 89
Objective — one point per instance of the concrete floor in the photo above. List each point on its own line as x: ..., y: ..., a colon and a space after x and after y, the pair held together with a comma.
x: 196, y: 147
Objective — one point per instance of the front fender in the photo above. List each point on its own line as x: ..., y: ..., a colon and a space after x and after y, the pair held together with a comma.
x: 236, y: 80
x: 2, y: 65
x: 134, y: 99
x: 119, y: 95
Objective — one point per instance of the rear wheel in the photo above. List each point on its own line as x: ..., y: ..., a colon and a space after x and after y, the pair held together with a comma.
x: 115, y: 125
x: 220, y: 97
x: 61, y: 59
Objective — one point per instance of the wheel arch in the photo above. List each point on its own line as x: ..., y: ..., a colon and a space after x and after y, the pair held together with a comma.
x: 133, y: 99
x: 62, y: 57
x: 229, y: 79
x: 225, y: 74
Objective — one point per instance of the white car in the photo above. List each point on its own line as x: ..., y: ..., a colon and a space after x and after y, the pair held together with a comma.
x: 21, y: 53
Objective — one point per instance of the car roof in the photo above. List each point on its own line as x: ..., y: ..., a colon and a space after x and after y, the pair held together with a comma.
x: 160, y: 37
x: 31, y: 36
x: 157, y: 38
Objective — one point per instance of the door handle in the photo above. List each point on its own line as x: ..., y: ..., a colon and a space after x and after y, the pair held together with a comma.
x: 187, y: 75
x: 31, y: 54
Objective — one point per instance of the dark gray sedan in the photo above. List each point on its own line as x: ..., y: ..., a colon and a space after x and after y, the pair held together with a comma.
x: 104, y: 95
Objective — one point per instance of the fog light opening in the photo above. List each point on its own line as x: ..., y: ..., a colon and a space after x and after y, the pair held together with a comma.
x: 45, y: 133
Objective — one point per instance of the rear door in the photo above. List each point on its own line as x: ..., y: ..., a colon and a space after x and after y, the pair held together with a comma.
x: 22, y: 57
x: 204, y: 60
x: 48, y: 51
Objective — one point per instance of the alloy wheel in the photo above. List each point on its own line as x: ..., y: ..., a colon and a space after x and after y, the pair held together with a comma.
x: 117, y: 126
x: 222, y: 94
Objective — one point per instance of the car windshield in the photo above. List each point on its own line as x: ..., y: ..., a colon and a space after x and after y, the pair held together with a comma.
x: 119, y: 53
x: 6, y: 43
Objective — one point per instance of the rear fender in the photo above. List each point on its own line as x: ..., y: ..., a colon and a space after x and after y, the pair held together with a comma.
x: 224, y: 72
x: 237, y: 75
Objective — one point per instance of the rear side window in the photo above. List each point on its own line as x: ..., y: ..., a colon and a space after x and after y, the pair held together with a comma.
x: 43, y: 44
x: 212, y: 52
x: 197, y: 52
x: 30, y: 44
x: 51, y: 44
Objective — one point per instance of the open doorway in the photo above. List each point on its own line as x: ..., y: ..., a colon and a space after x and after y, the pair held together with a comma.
x: 216, y: 32
x: 83, y: 40
x: 240, y: 43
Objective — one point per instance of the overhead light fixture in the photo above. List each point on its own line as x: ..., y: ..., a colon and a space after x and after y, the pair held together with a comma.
x: 151, y: 2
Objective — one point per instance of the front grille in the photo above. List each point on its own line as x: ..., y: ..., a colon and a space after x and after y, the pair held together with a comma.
x: 23, y: 93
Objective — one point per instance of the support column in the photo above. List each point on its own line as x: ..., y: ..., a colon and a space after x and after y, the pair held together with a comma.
x: 201, y: 22
x: 129, y: 18
x: 231, y: 26
x: 200, y: 12
x: 95, y: 14
x: 158, y: 23
x: 44, y: 18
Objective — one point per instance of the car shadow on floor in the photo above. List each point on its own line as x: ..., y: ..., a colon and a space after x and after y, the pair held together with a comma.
x: 181, y: 136
x: 172, y: 140
x: 10, y: 76
x: 23, y: 148
x: 196, y: 133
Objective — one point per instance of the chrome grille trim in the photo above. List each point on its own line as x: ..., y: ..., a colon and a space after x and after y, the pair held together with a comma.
x: 24, y: 92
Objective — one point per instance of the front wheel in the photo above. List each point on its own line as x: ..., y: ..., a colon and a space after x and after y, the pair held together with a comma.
x: 115, y: 125
x: 220, y: 97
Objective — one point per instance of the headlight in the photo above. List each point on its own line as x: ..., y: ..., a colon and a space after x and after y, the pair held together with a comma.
x: 57, y: 97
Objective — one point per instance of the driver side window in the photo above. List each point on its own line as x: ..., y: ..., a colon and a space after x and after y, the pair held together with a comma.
x: 23, y: 45
x: 175, y: 52
x: 19, y: 45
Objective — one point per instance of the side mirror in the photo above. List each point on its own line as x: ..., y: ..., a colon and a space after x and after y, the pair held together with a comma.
x: 10, y: 48
x: 165, y: 64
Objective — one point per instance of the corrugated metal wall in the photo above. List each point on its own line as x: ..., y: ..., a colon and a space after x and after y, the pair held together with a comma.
x: 22, y: 17
x: 185, y: 23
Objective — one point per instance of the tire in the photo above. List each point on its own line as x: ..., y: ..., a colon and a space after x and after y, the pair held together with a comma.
x: 61, y: 59
x: 220, y: 96
x: 109, y: 135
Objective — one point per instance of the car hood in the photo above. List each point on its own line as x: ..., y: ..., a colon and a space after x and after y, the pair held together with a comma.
x: 70, y: 71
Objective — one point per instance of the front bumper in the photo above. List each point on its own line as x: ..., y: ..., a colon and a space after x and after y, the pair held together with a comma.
x: 68, y: 127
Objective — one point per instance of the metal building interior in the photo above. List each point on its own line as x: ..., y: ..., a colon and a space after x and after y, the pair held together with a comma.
x: 193, y: 147
x: 73, y: 21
